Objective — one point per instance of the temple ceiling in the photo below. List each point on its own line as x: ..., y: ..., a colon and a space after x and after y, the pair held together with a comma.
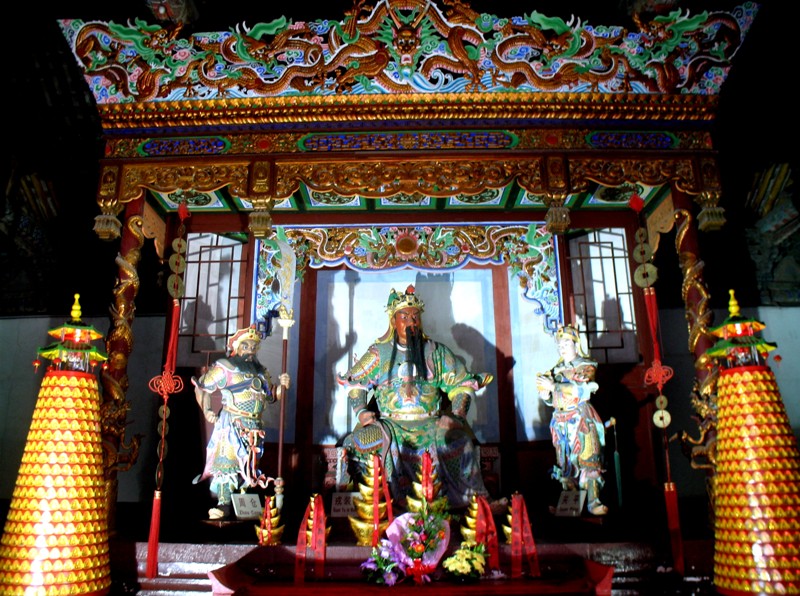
x: 576, y: 106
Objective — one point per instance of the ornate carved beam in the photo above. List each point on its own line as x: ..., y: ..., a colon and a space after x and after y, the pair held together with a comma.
x: 263, y: 181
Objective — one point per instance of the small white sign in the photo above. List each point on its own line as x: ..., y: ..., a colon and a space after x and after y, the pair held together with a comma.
x: 247, y: 506
x: 570, y: 503
x: 342, y: 504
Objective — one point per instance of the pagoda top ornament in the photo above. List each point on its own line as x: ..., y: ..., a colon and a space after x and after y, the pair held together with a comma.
x: 738, y: 345
x: 73, y: 350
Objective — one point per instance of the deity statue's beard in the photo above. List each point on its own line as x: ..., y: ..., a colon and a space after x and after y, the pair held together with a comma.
x: 247, y: 364
x: 415, y: 350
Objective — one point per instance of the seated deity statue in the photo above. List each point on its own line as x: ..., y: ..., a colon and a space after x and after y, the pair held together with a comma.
x: 422, y: 393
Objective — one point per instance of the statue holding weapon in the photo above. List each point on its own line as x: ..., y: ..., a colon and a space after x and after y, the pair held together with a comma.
x: 237, y: 441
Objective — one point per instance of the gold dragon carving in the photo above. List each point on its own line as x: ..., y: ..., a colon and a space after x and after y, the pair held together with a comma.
x: 120, y: 454
x: 439, y: 178
x: 701, y: 450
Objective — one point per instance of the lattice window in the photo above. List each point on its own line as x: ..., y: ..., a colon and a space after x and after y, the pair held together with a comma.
x: 603, y: 294
x: 214, y: 298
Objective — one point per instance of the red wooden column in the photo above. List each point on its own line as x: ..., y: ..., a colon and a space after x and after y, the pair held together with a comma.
x: 506, y: 408
x: 121, y: 455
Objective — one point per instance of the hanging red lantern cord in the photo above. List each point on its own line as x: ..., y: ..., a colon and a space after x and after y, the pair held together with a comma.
x: 658, y: 375
x: 166, y: 384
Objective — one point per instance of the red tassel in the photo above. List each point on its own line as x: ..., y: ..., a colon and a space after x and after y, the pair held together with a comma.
x: 318, y: 536
x: 152, y: 543
x: 636, y: 202
x: 300, y: 551
x: 183, y: 211
x: 387, y: 496
x: 427, y: 481
x: 376, y: 516
x: 486, y: 532
x: 522, y: 542
x: 163, y: 385
x: 657, y: 374
x: 674, y: 525
x: 652, y: 317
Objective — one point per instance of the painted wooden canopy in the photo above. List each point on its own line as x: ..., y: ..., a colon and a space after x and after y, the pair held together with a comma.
x: 409, y: 105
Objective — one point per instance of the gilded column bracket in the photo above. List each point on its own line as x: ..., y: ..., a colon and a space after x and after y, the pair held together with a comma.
x: 107, y: 225
x: 260, y: 190
x: 556, y: 219
x: 711, y: 217
x: 260, y: 219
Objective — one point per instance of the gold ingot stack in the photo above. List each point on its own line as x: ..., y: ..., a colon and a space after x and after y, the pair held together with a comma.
x: 310, y: 526
x: 56, y: 534
x: 507, y: 529
x: 363, y: 523
x: 271, y: 536
x: 757, y: 498
x: 469, y: 522
x: 437, y: 502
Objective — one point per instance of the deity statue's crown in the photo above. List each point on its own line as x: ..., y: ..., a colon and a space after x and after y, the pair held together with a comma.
x: 407, y: 300
x: 241, y: 335
x: 568, y: 331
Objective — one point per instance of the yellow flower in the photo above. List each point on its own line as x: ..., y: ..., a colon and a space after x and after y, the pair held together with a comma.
x: 479, y: 564
x: 467, y: 560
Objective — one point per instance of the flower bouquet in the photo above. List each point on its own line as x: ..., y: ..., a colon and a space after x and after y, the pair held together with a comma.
x: 468, y: 562
x: 415, y: 543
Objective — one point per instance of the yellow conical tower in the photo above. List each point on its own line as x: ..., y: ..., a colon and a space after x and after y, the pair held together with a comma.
x: 757, y: 497
x: 55, y: 539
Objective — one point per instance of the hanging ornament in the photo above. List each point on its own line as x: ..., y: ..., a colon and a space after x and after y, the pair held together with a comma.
x: 166, y: 384
x: 646, y: 274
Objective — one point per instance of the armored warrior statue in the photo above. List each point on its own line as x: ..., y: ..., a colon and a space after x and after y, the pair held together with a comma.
x: 577, y: 431
x: 236, y: 445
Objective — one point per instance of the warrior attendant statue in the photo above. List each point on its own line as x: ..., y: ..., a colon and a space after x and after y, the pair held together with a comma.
x: 410, y: 375
x: 236, y: 445
x: 577, y: 431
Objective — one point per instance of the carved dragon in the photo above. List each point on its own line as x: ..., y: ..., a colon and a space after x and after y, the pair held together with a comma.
x: 403, y: 46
